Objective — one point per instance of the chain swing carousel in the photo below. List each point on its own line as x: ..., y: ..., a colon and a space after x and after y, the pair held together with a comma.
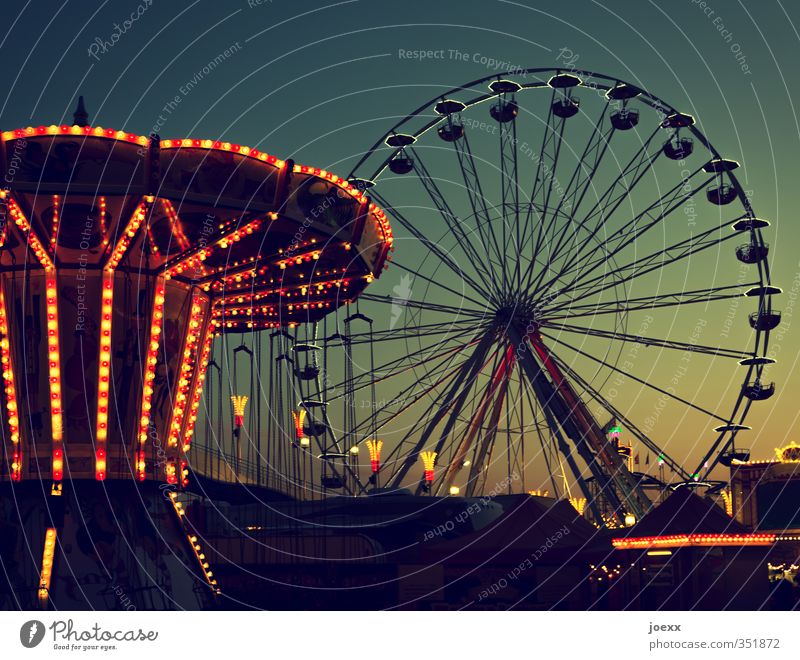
x: 121, y: 258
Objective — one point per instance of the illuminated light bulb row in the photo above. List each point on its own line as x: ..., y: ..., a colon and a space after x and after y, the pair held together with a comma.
x: 54, y: 373
x: 33, y: 240
x: 156, y: 324
x: 175, y: 225
x: 63, y: 129
x: 320, y: 305
x: 294, y: 247
x: 103, y: 220
x: 578, y: 503
x: 241, y: 300
x: 197, y: 395
x: 682, y: 540
x: 231, y: 312
x: 184, y: 474
x: 225, y: 283
x: 47, y: 565
x: 374, y: 448
x: 201, y: 558
x: 428, y: 459
x: 185, y: 371
x: 239, y: 403
x: 287, y: 291
x: 54, y: 227
x: 300, y: 259
x: 171, y: 474
x: 195, y: 261
x: 299, y: 419
x: 104, y: 373
x: 344, y: 184
x: 727, y: 499
x: 254, y: 324
x: 244, y: 310
x: 382, y: 222
x: 127, y: 236
x: 231, y: 266
x: 223, y: 242
x: 151, y: 239
x: 238, y: 234
x: 12, y: 412
x: 188, y: 143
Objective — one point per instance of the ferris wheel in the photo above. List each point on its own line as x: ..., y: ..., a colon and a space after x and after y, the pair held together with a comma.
x: 572, y: 256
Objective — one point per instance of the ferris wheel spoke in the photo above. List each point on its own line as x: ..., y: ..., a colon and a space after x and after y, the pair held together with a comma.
x: 437, y: 283
x: 478, y: 204
x: 623, y: 184
x: 581, y: 180
x: 648, y: 302
x: 663, y: 258
x: 544, y: 164
x: 635, y: 170
x: 627, y: 374
x: 433, y: 247
x: 398, y: 367
x: 596, y: 147
x: 487, y: 396
x: 649, y: 341
x: 406, y: 394
x: 453, y: 402
x: 614, y: 412
x: 425, y: 305
x: 484, y: 447
x: 632, y: 231
x: 544, y: 161
x: 509, y: 192
x: 424, y: 418
x: 582, y: 263
x: 403, y: 332
x: 549, y: 447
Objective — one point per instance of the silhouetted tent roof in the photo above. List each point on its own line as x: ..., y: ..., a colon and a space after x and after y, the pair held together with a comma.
x: 526, y: 525
x: 684, y: 512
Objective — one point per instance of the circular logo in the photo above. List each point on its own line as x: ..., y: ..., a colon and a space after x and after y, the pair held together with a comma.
x: 31, y: 633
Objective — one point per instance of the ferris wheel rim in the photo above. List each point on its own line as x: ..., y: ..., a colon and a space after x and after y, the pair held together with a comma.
x: 742, y: 404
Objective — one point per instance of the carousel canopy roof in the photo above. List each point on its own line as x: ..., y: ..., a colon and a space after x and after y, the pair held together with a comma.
x: 273, y: 242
